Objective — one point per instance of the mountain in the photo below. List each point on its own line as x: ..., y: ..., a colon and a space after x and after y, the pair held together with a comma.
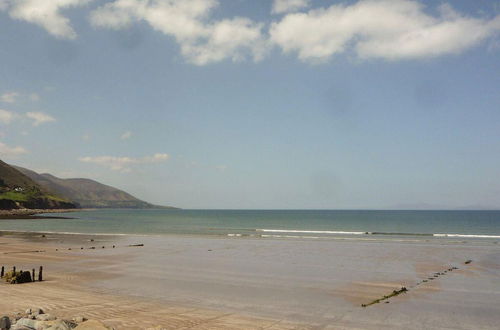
x: 19, y: 191
x: 87, y: 193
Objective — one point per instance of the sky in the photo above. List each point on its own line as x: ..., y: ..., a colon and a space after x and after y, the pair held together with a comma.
x: 258, y: 104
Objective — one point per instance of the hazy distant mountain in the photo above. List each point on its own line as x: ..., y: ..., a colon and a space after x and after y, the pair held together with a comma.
x: 418, y: 206
x: 19, y: 191
x: 87, y: 193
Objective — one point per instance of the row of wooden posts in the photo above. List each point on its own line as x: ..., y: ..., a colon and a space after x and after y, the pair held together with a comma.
x: 40, y: 273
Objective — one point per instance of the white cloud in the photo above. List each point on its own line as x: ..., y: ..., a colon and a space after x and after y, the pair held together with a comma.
x: 385, y: 29
x: 13, y: 97
x: 6, y: 151
x: 287, y: 6
x: 234, y: 39
x: 39, y: 118
x: 45, y: 13
x: 123, y: 164
x: 201, y: 41
x: 111, y: 162
x: 9, y: 97
x: 6, y: 116
x: 127, y: 135
x: 158, y: 157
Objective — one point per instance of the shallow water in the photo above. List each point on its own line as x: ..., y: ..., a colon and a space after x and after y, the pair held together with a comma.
x: 272, y: 223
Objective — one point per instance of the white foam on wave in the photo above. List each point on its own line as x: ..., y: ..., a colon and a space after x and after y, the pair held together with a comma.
x: 289, y: 236
x: 465, y: 235
x: 314, y: 231
x: 341, y: 238
x: 335, y: 232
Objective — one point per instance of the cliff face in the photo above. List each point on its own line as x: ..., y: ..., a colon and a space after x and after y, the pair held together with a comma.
x: 19, y: 191
x: 87, y: 193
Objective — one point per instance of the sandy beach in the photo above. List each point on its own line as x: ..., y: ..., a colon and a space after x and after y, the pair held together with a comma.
x: 63, y: 292
x: 176, y: 282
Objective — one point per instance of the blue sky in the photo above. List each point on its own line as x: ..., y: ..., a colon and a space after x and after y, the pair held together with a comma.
x: 258, y: 104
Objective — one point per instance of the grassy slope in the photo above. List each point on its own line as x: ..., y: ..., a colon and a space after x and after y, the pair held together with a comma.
x: 31, y: 194
x: 15, y: 196
x: 11, y: 178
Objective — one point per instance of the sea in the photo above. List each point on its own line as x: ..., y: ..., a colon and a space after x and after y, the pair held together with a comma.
x: 289, y: 224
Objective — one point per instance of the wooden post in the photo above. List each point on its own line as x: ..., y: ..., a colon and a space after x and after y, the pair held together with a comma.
x: 33, y: 275
x: 2, y: 272
x: 14, y: 270
x: 40, y: 274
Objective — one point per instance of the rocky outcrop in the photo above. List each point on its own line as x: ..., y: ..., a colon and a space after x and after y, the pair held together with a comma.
x: 36, y: 319
x: 8, y: 204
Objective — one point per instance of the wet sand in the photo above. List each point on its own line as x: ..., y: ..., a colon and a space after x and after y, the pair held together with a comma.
x: 65, y: 292
x: 244, y: 283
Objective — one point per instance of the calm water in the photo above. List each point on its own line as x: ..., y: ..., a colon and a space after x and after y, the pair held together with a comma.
x: 269, y: 223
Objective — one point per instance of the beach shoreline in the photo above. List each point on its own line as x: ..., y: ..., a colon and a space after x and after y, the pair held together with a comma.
x: 254, y: 283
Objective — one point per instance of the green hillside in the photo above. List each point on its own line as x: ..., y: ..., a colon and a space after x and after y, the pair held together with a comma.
x: 87, y: 193
x: 19, y: 191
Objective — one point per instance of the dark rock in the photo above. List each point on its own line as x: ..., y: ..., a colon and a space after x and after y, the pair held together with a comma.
x: 5, y: 323
x: 7, y: 204
x: 24, y: 277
